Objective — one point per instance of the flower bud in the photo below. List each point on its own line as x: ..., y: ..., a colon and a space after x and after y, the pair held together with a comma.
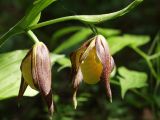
x: 36, y: 72
x: 92, y: 62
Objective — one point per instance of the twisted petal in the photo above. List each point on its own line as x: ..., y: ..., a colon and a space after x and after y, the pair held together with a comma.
x: 23, y: 87
x: 76, y: 60
x: 36, y: 72
x: 104, y: 56
x: 78, y: 79
x: 76, y: 74
x: 41, y: 72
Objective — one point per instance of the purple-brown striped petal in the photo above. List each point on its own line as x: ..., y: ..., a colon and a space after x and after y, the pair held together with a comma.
x: 76, y: 60
x: 22, y: 88
x: 36, y: 72
x: 104, y: 56
x: 41, y: 72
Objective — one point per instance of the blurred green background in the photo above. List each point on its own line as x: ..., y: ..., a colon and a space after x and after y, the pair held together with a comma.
x: 93, y: 103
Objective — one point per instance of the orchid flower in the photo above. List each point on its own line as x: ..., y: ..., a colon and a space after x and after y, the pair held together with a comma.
x: 91, y: 63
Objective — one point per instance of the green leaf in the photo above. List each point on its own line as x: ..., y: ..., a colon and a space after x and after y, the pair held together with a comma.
x: 55, y: 57
x: 117, y: 43
x: 68, y: 30
x: 27, y: 21
x: 34, y: 11
x: 106, y: 32
x: 104, y: 17
x: 91, y: 19
x: 64, y: 62
x: 64, y: 31
x: 73, y: 40
x: 31, y: 17
x: 36, y: 20
x: 10, y: 75
x: 137, y: 40
x: 131, y: 79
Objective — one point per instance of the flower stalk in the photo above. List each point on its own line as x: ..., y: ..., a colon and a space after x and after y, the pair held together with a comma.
x: 32, y: 36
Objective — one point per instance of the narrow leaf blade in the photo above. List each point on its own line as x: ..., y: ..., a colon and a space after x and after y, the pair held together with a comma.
x: 73, y: 40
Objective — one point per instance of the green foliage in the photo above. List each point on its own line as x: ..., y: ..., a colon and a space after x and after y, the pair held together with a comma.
x: 117, y: 46
x: 59, y: 33
x: 91, y: 19
x: 126, y: 40
x: 75, y: 39
x: 65, y: 40
x: 130, y: 79
x: 137, y: 40
x: 31, y: 17
x: 108, y: 32
x: 10, y: 74
x: 82, y: 34
x: 156, y: 60
x: 62, y: 60
x: 115, y: 41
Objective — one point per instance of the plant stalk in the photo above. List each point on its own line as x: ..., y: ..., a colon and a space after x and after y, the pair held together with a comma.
x: 32, y: 36
x: 144, y: 55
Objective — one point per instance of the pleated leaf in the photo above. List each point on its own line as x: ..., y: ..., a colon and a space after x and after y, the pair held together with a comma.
x: 10, y: 74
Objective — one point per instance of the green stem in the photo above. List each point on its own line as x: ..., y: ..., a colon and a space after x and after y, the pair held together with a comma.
x: 153, y: 44
x: 90, y: 19
x: 32, y: 36
x: 141, y: 53
x: 147, y: 59
x: 49, y: 22
x: 154, y: 56
x: 156, y: 87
